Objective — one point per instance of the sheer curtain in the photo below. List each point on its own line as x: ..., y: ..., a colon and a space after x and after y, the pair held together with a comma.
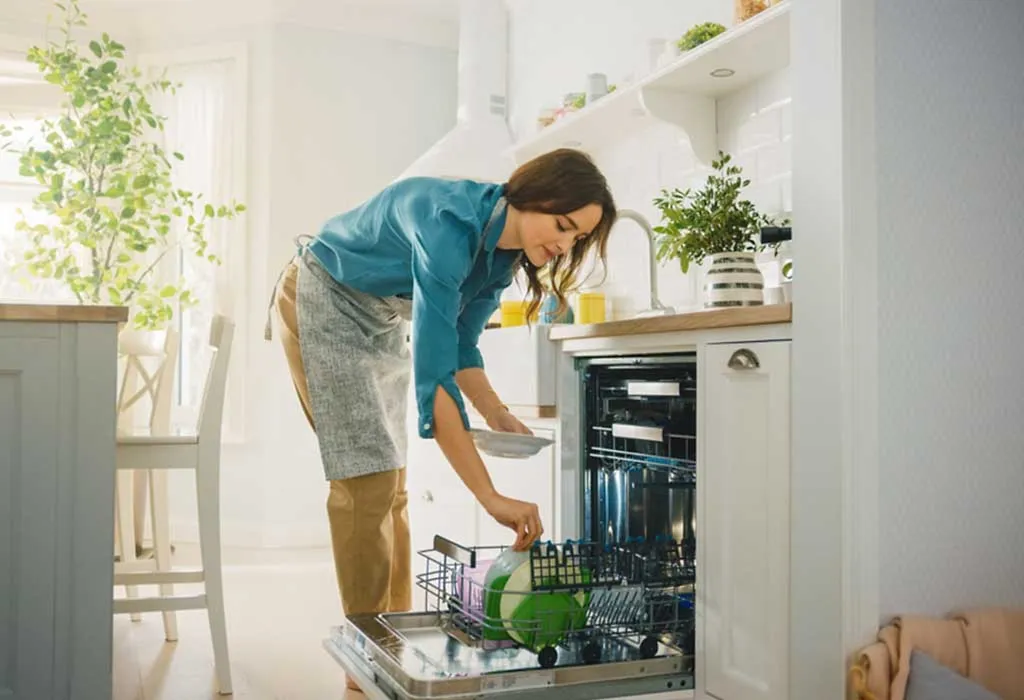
x: 205, y: 122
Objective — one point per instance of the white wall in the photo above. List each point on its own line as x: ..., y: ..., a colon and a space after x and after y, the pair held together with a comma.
x: 341, y: 98
x: 950, y: 128
x: 554, y: 46
x: 829, y: 58
x: 349, y: 114
x: 333, y: 117
x: 907, y: 453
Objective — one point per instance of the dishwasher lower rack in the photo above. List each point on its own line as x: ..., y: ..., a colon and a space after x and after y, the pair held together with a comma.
x: 583, y: 600
x: 411, y: 656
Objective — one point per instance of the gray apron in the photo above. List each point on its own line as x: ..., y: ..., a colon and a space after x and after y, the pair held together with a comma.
x: 355, y: 353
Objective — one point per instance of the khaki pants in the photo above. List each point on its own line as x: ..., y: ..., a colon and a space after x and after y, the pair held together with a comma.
x: 368, y: 515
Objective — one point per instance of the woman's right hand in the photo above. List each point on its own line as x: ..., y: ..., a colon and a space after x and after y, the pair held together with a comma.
x: 520, y: 516
x: 457, y: 445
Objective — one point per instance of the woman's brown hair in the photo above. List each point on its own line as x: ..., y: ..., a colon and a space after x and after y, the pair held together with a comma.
x: 560, y: 182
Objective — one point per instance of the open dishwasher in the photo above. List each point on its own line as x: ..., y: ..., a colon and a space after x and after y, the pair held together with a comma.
x: 579, y: 620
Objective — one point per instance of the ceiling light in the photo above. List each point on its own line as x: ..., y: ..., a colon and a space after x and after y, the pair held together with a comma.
x: 723, y: 73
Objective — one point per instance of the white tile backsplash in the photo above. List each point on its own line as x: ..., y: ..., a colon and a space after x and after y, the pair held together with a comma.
x: 773, y: 91
x: 760, y: 129
x: 754, y: 125
x: 787, y: 194
x: 736, y: 109
x: 774, y: 160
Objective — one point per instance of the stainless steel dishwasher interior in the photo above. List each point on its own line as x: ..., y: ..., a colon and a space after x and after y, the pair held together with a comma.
x: 415, y: 655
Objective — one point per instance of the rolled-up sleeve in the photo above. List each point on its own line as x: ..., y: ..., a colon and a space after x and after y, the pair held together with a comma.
x: 472, y: 321
x: 439, y: 267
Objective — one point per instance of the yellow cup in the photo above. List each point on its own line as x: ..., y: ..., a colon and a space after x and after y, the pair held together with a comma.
x: 513, y: 313
x: 591, y: 308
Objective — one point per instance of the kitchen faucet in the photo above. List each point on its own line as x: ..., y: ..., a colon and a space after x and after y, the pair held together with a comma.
x: 656, y: 308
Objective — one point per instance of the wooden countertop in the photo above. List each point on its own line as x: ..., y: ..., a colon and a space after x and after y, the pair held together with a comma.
x: 698, y: 320
x: 63, y: 313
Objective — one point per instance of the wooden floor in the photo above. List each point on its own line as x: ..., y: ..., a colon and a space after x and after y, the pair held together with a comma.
x: 280, y: 605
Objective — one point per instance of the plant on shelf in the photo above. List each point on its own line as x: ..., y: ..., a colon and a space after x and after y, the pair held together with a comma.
x: 113, y: 211
x: 716, y: 222
x: 698, y: 34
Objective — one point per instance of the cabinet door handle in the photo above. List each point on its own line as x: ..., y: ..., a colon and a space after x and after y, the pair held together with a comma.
x: 744, y: 359
x: 428, y: 497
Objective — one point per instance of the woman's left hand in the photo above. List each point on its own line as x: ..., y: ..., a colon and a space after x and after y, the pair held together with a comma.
x: 503, y: 421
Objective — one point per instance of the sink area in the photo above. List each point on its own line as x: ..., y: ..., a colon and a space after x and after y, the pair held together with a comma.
x: 656, y: 308
x: 651, y: 313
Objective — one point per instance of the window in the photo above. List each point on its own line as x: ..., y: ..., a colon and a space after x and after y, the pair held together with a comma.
x: 206, y: 120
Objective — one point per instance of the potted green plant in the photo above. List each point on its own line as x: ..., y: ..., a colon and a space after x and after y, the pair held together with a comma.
x: 113, y: 211
x: 715, y: 222
x: 699, y: 34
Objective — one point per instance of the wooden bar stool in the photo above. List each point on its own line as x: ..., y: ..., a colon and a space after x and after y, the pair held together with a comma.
x: 197, y: 449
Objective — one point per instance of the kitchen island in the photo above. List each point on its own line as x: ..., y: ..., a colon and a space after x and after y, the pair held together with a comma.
x: 58, y: 378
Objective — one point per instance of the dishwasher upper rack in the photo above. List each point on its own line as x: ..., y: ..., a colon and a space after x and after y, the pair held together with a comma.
x: 633, y: 598
x: 654, y: 445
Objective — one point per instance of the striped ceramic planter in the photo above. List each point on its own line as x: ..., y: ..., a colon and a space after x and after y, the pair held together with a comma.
x: 733, y: 279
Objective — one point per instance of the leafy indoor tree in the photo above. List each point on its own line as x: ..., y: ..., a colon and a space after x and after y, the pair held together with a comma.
x: 114, y: 211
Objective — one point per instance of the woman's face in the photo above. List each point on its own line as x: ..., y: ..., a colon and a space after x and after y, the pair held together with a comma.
x: 546, y: 236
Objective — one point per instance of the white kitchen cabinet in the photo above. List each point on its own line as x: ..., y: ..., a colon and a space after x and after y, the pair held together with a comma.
x: 744, y: 546
x: 531, y: 480
x: 521, y: 364
x: 439, y: 503
x: 57, y: 448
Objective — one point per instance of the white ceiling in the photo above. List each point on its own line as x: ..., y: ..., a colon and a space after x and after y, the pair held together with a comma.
x: 446, y: 9
x: 430, y: 22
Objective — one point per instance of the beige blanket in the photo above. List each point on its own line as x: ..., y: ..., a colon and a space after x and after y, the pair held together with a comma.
x: 984, y: 644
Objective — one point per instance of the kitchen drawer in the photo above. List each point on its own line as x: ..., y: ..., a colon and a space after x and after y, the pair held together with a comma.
x: 521, y: 363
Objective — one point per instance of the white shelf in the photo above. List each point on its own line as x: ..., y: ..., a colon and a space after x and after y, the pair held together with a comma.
x: 682, y: 93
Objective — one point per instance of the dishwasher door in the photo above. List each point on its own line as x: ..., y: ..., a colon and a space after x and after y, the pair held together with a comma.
x: 406, y: 656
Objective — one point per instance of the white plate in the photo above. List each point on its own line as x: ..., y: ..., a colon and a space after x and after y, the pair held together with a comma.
x: 509, y: 445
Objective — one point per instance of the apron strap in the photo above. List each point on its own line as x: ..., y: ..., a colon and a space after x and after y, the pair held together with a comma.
x: 301, y: 244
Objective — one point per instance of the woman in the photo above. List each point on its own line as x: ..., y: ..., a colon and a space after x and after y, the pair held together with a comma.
x: 439, y: 253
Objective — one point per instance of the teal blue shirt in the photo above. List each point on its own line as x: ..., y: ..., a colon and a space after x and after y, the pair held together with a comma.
x: 424, y: 239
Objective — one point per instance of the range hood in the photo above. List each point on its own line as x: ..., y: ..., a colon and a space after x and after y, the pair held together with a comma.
x: 476, y: 147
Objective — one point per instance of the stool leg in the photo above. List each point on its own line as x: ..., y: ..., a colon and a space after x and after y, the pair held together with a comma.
x: 141, y: 490
x: 126, y: 529
x: 162, y: 543
x: 208, y: 500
